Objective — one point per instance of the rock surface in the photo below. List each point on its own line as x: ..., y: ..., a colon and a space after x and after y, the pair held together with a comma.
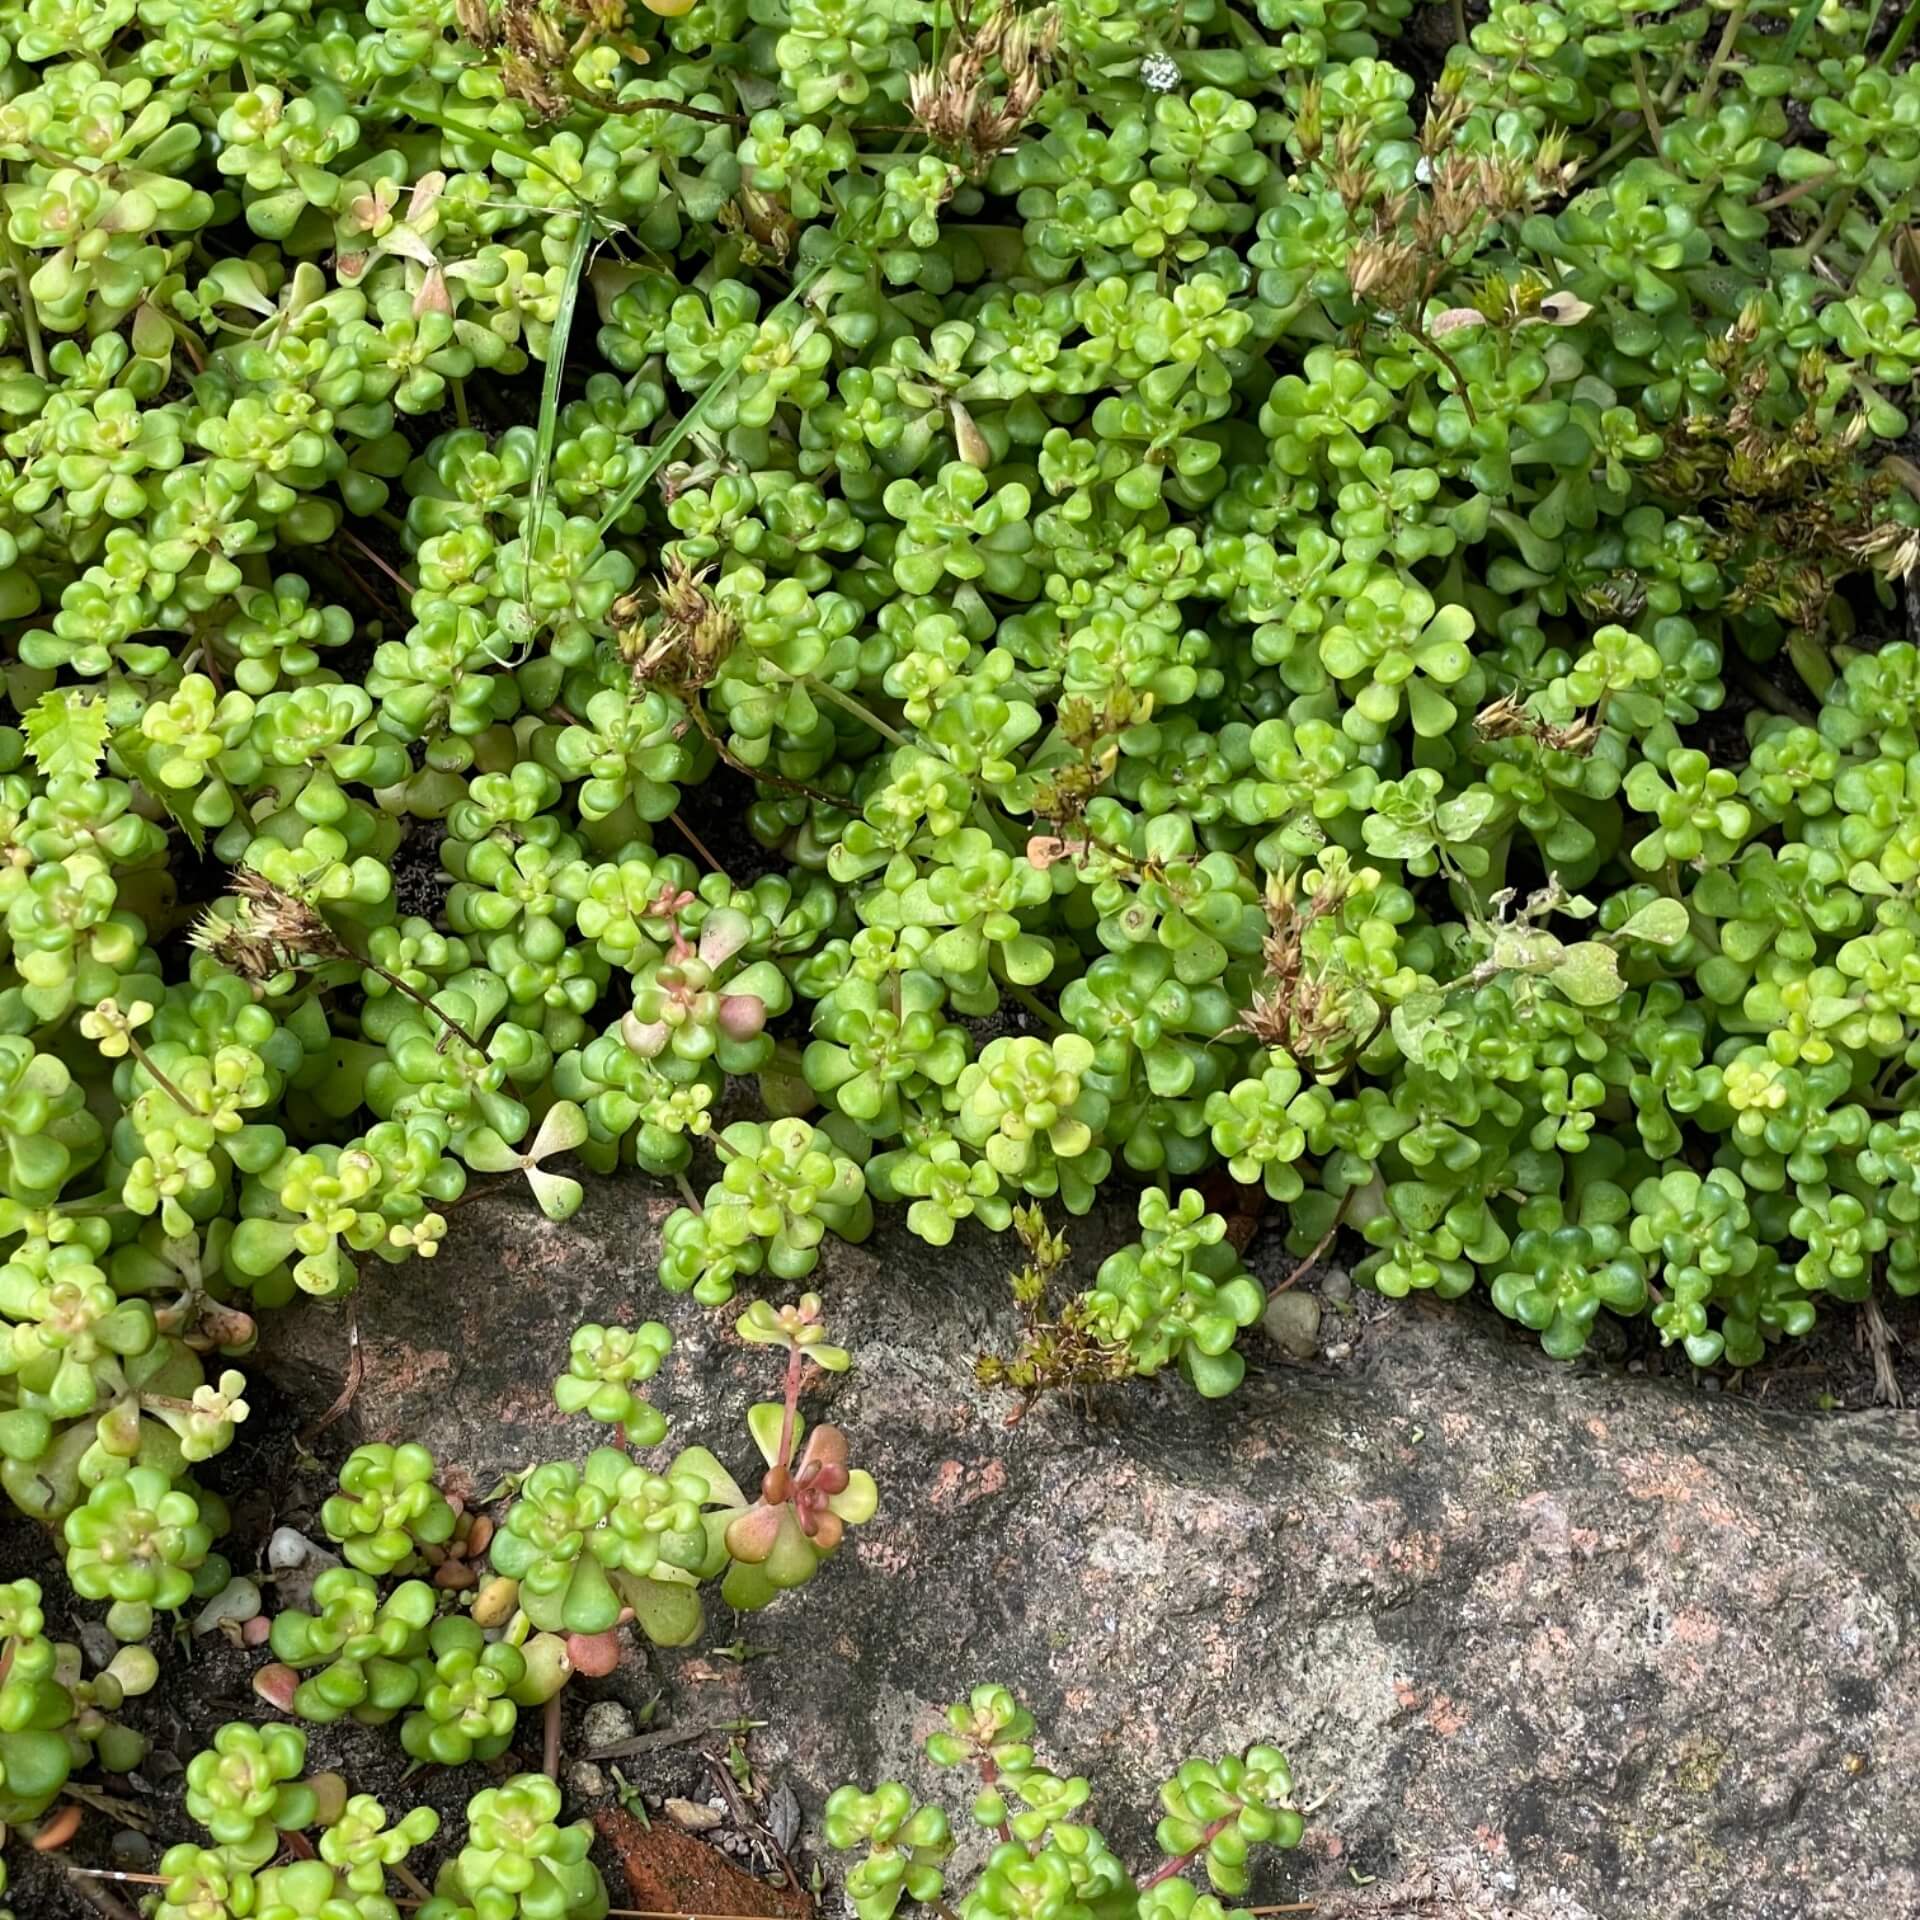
x: 1550, y: 1643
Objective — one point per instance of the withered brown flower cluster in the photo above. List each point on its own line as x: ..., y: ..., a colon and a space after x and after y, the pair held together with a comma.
x: 956, y: 105
x: 270, y: 931
x: 682, y: 637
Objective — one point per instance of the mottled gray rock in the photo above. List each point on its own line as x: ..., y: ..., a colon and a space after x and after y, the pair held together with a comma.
x: 1548, y: 1643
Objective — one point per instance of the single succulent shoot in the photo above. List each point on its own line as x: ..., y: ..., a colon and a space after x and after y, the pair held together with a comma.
x: 809, y: 1495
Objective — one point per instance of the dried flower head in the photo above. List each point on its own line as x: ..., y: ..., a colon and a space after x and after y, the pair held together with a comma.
x: 269, y: 931
x: 1297, y: 1008
x: 1889, y: 548
x: 691, y: 632
x: 955, y: 105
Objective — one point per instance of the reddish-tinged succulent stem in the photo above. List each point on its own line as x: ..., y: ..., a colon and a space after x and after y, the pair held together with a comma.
x: 778, y: 1483
x: 1181, y: 1861
x: 989, y: 1777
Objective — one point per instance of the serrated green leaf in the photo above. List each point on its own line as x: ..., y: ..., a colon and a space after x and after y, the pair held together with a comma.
x: 67, y: 732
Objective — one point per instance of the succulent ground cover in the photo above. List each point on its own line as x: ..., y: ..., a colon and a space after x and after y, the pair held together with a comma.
x: 1278, y: 598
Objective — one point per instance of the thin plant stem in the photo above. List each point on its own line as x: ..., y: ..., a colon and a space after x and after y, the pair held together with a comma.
x: 1895, y: 215
x: 1901, y: 35
x: 97, y: 1897
x: 1607, y: 155
x: 154, y: 1074
x: 1798, y: 191
x: 687, y: 1193
x: 1320, y: 1246
x: 663, y: 449
x: 29, y: 316
x: 1433, y: 346
x: 460, y: 413
x: 1837, y: 210
x: 698, y: 710
x: 400, y: 580
x: 1736, y: 19
x: 796, y: 1363
x: 550, y: 1739
x: 1645, y: 93
x: 990, y: 1777
x: 414, y: 994
x: 411, y: 1880
x: 547, y: 429
x: 699, y: 846
x: 858, y: 708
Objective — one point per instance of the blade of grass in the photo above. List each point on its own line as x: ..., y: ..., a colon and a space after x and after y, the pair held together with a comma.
x: 557, y: 338
x: 664, y: 448
x: 1896, y: 46
x: 498, y: 143
x: 1802, y: 26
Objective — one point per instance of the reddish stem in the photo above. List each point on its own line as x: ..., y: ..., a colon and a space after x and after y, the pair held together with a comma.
x: 795, y: 1363
x: 990, y: 1776
x: 1181, y: 1861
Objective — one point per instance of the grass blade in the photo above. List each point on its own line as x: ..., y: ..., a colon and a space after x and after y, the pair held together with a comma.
x: 664, y: 449
x: 549, y: 427
x: 497, y: 143
x: 1802, y: 26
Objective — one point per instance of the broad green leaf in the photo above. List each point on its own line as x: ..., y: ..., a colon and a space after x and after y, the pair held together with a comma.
x: 1589, y: 975
x: 1661, y: 923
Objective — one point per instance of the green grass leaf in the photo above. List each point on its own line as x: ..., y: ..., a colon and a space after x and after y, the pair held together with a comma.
x: 549, y: 425
x: 665, y: 447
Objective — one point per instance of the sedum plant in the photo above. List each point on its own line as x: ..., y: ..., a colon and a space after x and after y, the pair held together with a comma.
x: 1045, y: 1857
x: 387, y: 1508
x: 1260, y: 599
x: 517, y: 1861
x: 579, y: 1552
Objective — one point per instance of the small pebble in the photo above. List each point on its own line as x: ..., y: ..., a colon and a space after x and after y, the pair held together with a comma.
x: 97, y: 1643
x: 298, y: 1563
x: 1293, y: 1324
x: 1340, y: 1350
x: 692, y: 1817
x: 234, y: 1605
x: 606, y: 1723
x: 289, y: 1548
x: 1337, y: 1288
x: 131, y: 1851
x: 585, y: 1781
